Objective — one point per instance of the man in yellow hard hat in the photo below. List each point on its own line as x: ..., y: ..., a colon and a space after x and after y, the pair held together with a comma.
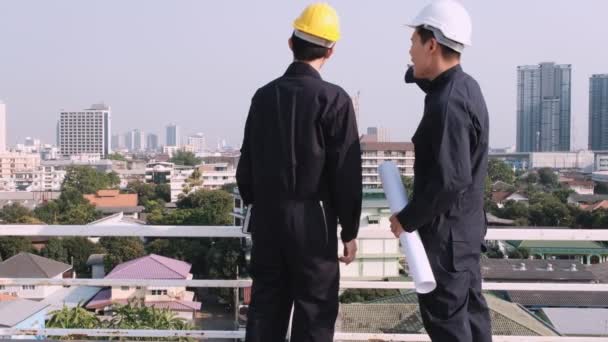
x: 300, y: 169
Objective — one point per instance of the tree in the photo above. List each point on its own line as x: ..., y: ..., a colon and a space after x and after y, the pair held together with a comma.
x: 193, y: 182
x: 601, y: 189
x: 16, y: 213
x: 79, y: 249
x: 519, y: 253
x: 70, y: 208
x: 55, y: 250
x: 121, y: 249
x: 86, y: 180
x: 547, y: 177
x: 73, y: 318
x: 408, y: 183
x: 13, y: 245
x: 563, y: 194
x: 116, y: 156
x: 494, y: 252
x: 498, y: 170
x: 193, y: 251
x: 217, y: 205
x: 145, y: 191
x: 229, y: 188
x: 515, y: 210
x: 185, y: 158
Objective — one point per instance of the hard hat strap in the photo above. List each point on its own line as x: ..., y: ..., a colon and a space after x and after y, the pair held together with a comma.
x: 443, y: 40
x: 314, y: 39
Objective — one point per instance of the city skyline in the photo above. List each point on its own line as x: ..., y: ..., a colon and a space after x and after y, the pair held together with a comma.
x: 43, y: 71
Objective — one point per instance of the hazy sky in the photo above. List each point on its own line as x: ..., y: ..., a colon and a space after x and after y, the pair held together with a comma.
x: 197, y: 63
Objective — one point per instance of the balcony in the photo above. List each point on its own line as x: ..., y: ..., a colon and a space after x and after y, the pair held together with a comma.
x: 517, y: 233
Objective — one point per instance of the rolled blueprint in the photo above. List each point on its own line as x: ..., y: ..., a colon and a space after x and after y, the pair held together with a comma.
x: 411, y: 245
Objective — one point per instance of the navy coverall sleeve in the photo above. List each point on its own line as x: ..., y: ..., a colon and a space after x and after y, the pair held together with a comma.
x: 344, y: 169
x: 244, y: 171
x: 450, y: 141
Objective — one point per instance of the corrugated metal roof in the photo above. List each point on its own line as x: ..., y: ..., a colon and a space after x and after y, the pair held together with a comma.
x: 151, y: 267
x: 28, y: 265
x: 17, y: 311
x: 574, y: 321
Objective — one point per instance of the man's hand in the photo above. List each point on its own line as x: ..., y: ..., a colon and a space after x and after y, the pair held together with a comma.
x: 350, y: 252
x: 396, y: 227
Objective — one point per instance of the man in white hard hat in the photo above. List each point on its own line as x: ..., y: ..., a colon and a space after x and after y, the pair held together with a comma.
x: 451, y: 145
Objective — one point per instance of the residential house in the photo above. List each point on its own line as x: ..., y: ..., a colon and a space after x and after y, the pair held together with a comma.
x: 502, y: 197
x: 27, y: 265
x: 116, y: 220
x: 112, y: 202
x: 152, y: 266
x: 22, y: 314
x: 584, y: 252
x: 581, y: 187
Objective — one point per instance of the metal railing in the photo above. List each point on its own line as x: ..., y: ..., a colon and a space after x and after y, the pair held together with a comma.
x: 514, y: 233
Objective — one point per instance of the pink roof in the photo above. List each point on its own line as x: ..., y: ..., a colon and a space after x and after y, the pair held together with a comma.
x: 103, y: 299
x: 151, y: 267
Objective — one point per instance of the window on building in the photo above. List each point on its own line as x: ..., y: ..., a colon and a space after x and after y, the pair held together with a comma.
x: 159, y: 292
x: 125, y: 288
x: 29, y: 287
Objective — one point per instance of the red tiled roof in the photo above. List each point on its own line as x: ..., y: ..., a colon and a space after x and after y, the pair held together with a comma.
x: 111, y: 198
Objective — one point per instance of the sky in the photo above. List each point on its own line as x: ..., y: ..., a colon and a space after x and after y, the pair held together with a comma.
x: 197, y: 63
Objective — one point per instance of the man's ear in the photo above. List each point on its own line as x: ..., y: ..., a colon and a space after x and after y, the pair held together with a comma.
x: 290, y: 43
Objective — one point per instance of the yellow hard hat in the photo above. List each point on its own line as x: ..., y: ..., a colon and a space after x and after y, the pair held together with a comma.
x: 318, y: 24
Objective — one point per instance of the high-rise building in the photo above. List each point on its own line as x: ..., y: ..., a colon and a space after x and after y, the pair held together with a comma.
x: 173, y: 135
x: 86, y: 131
x: 139, y: 140
x: 152, y: 142
x: 2, y: 127
x: 116, y: 142
x: 598, y: 112
x: 198, y: 142
x: 543, y: 107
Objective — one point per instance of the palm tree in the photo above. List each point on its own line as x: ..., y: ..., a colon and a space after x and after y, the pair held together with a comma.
x: 73, y: 318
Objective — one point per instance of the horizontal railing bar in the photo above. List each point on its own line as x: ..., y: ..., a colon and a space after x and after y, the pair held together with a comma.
x: 400, y: 285
x: 223, y: 334
x: 512, y: 233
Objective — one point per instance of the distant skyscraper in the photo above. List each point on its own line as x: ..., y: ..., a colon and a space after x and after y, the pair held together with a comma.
x: 129, y: 140
x: 139, y: 140
x: 173, y: 135
x: 85, y: 131
x: 543, y: 107
x: 116, y: 142
x: 2, y: 127
x: 152, y: 142
x: 198, y: 142
x: 598, y: 112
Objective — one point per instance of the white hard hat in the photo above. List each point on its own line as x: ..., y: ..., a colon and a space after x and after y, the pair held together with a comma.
x: 450, y: 22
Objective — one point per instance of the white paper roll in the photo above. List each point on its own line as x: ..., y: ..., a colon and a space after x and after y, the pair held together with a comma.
x: 411, y: 245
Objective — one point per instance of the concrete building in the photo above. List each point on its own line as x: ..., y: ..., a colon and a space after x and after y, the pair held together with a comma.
x: 375, y: 153
x: 152, y: 142
x: 598, y: 112
x: 543, y: 107
x: 85, y: 131
x: 2, y: 127
x: 173, y: 137
x: 198, y: 143
x: 581, y: 160
x: 217, y: 175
